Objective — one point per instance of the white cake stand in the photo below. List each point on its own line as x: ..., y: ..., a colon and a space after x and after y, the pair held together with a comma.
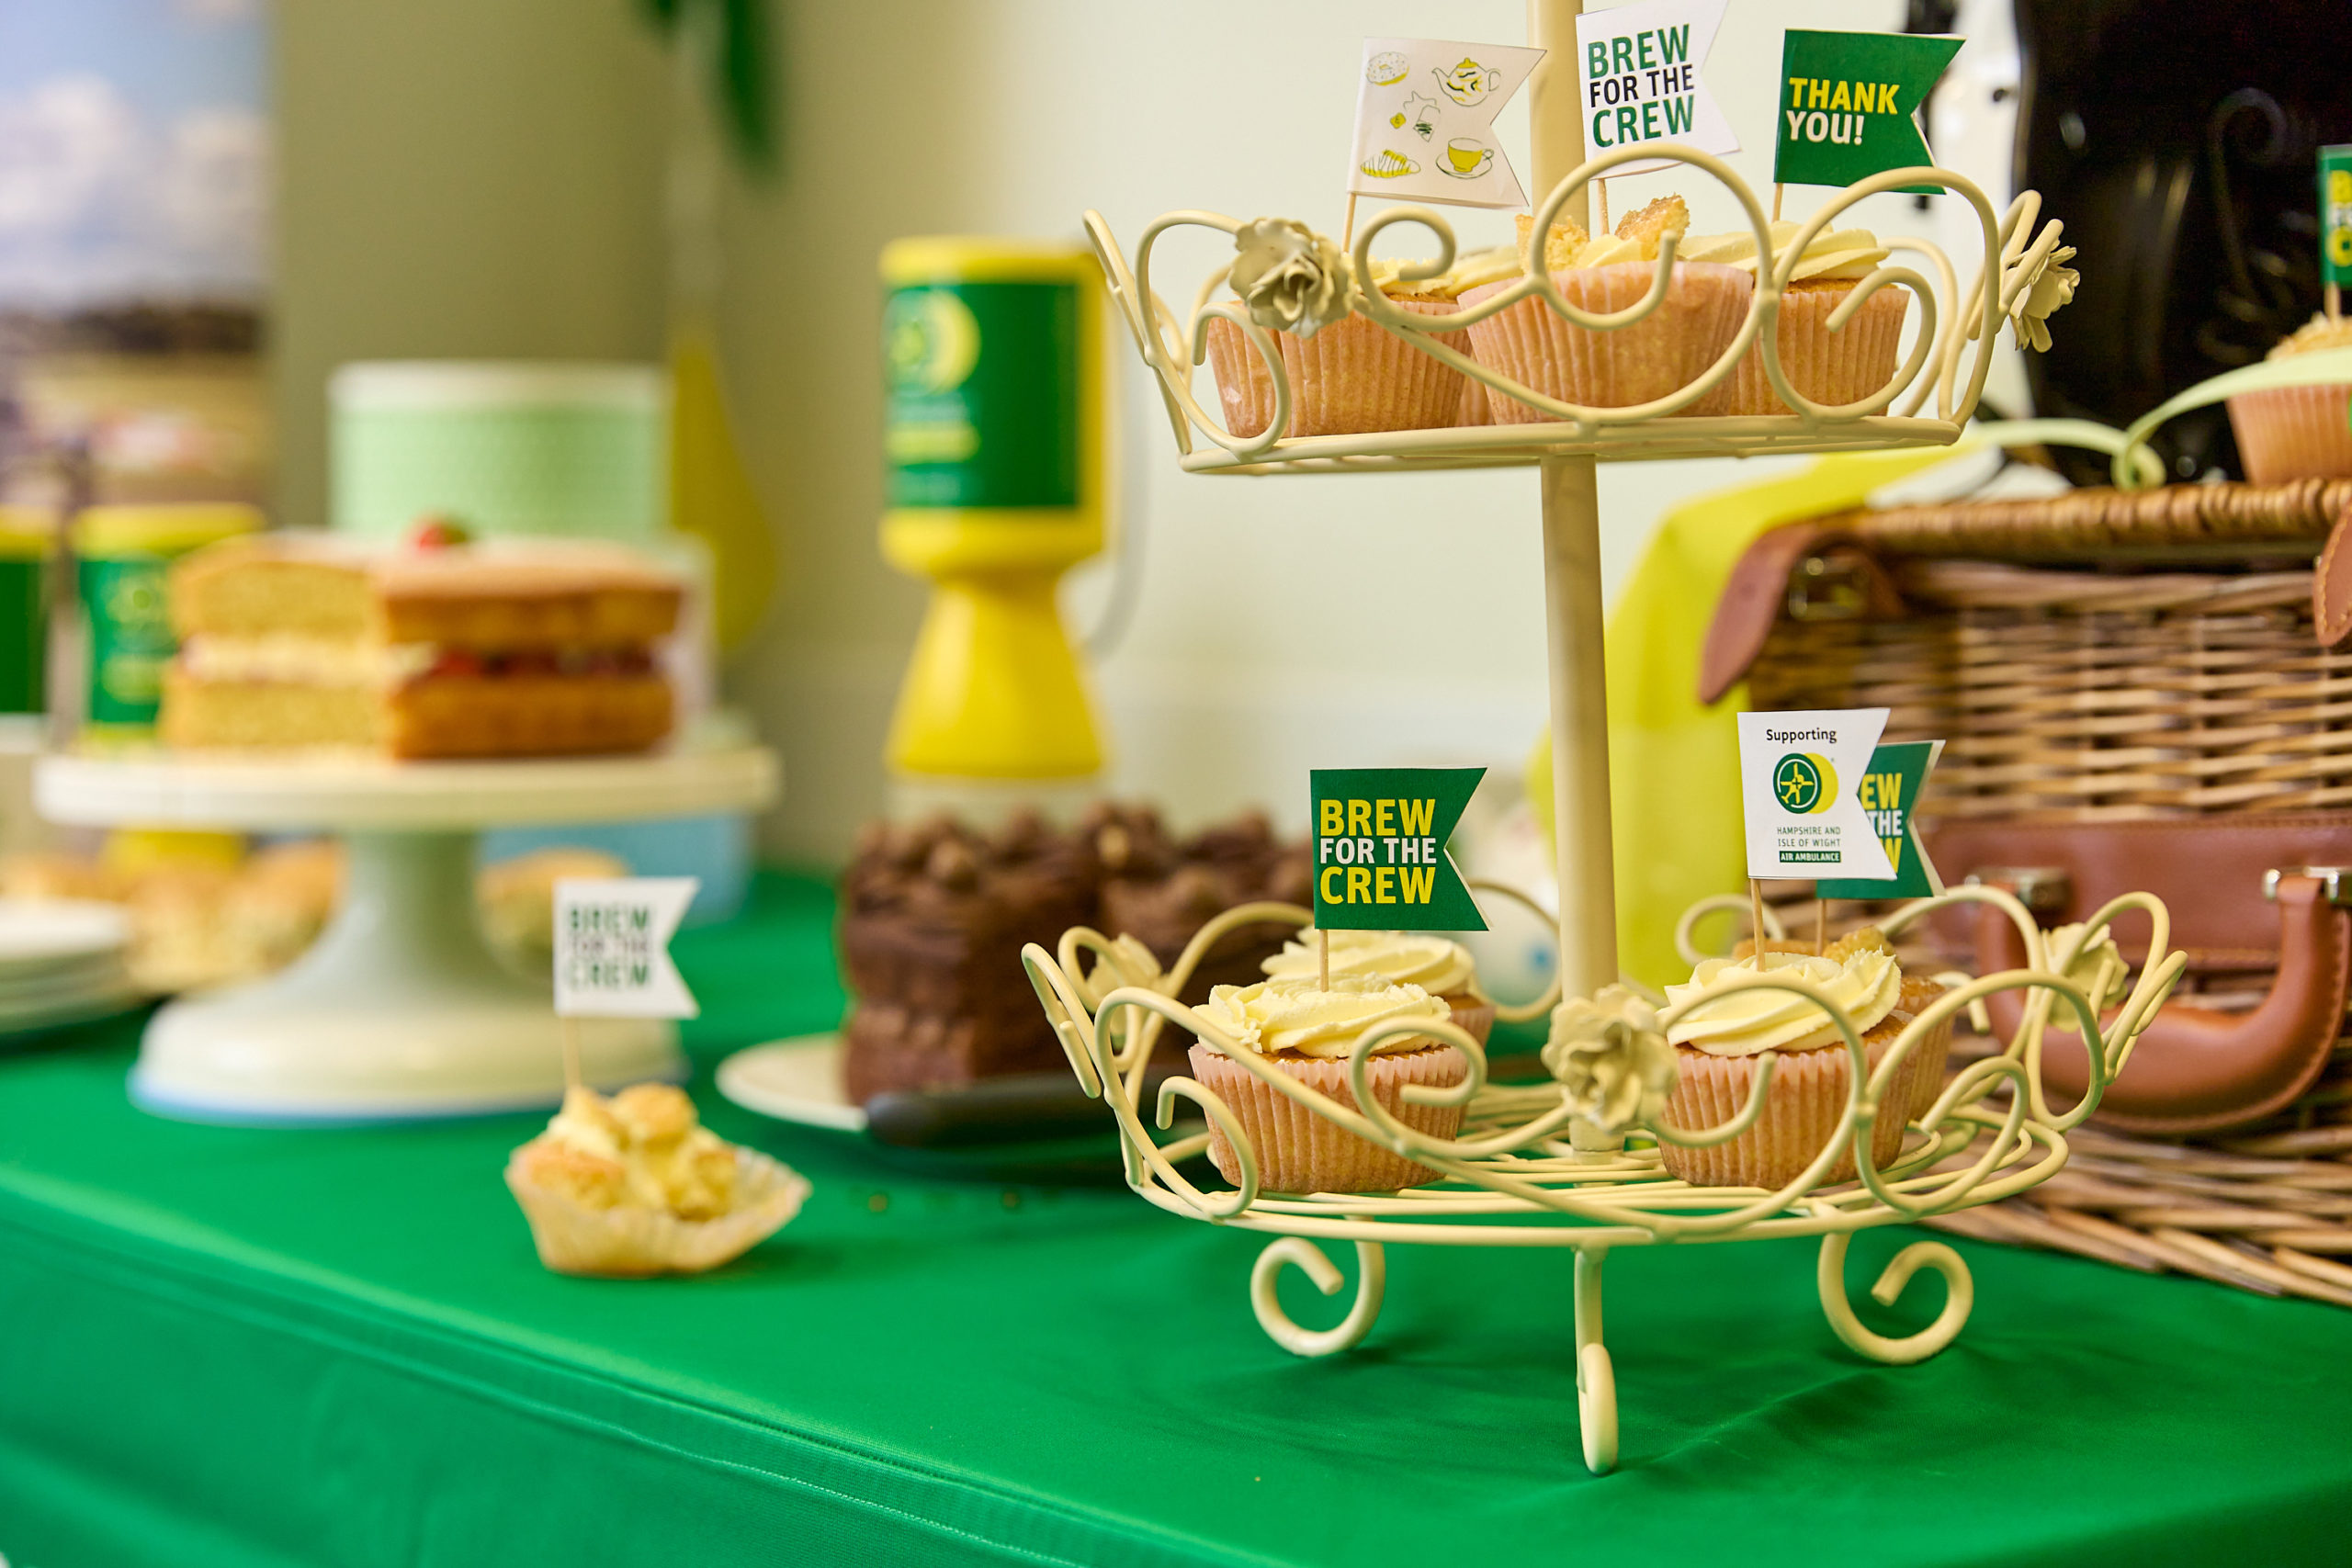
x: 399, y: 1009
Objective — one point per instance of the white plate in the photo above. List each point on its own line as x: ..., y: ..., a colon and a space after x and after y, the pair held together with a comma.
x: 78, y: 1009
x: 37, y: 934
x: 793, y: 1081
x: 28, y: 995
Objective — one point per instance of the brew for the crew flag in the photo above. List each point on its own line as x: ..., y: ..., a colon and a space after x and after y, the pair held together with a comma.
x: 1889, y: 795
x: 1380, y: 857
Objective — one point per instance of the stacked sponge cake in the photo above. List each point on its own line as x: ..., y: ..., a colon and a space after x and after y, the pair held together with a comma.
x: 499, y: 651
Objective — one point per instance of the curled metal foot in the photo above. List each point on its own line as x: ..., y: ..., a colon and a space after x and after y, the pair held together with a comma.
x: 1596, y: 1374
x: 1372, y: 1278
x: 1960, y: 1296
x: 1597, y: 1408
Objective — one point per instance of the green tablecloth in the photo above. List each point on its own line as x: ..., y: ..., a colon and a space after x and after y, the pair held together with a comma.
x: 244, y: 1347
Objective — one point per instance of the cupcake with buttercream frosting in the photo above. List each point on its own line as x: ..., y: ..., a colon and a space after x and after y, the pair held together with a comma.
x: 1660, y: 353
x: 1828, y: 367
x: 1723, y: 1036
x: 1436, y: 965
x: 2297, y: 432
x: 1347, y: 374
x: 1307, y: 1032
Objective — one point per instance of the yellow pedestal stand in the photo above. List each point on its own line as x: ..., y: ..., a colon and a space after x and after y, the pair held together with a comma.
x: 995, y: 440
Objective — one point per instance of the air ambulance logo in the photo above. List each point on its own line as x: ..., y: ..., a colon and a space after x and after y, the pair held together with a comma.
x: 1804, y: 784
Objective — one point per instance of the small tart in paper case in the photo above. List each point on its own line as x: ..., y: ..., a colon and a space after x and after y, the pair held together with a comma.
x: 634, y: 1185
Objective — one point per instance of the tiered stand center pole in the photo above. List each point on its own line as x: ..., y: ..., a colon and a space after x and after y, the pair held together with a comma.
x: 1572, y: 575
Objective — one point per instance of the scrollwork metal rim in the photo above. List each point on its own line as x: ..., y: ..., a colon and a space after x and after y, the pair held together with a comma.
x: 1175, y: 347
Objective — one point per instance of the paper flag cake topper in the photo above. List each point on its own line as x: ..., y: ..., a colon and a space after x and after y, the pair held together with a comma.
x: 1380, y: 859
x: 1638, y: 69
x: 1799, y: 777
x: 1847, y: 103
x: 1889, y: 792
x: 612, y: 947
x: 1425, y: 120
x: 2335, y: 214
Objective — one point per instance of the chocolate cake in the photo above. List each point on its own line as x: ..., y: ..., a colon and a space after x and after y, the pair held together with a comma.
x: 933, y: 917
x: 1162, y: 889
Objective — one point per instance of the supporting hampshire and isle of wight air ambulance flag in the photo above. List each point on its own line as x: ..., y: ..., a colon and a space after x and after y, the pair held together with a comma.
x: 1800, y: 788
x: 1380, y: 860
x: 1638, y: 69
x: 1848, y: 102
x: 1889, y: 793
x: 1425, y: 120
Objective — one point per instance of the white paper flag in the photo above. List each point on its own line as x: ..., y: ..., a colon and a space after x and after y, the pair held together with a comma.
x: 1638, y: 69
x: 1800, y: 778
x: 1425, y: 114
x: 612, y: 947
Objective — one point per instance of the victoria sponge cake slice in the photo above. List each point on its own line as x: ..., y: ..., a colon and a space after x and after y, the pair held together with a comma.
x: 512, y: 648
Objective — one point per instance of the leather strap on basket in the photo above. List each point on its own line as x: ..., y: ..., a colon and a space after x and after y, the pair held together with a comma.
x: 1757, y: 593
x: 2196, y: 1069
x: 2332, y: 585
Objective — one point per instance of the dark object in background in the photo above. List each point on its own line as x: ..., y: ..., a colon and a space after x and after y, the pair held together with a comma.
x: 1162, y: 889
x: 2177, y: 140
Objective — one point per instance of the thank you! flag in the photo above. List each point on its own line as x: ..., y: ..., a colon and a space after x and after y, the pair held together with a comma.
x: 612, y: 947
x: 1425, y: 120
x: 1379, y: 858
x: 1637, y: 68
x: 1848, y: 102
x: 1889, y: 795
x: 1799, y: 777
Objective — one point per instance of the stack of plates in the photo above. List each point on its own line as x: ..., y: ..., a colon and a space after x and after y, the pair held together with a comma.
x: 61, y: 964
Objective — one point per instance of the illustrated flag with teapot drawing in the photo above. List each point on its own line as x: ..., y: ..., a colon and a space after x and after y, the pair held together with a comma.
x: 1637, y: 75
x: 1425, y: 120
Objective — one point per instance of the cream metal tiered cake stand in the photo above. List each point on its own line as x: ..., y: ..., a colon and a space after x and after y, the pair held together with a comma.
x: 399, y: 1009
x: 1530, y: 1167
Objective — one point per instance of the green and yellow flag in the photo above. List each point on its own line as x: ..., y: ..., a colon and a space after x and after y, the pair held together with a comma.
x: 1848, y: 102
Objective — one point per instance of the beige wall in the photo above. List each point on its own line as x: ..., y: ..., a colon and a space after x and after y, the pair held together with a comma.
x: 460, y: 178
x: 481, y: 176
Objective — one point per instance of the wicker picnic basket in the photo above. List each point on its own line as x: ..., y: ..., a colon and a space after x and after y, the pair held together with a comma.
x: 2147, y: 688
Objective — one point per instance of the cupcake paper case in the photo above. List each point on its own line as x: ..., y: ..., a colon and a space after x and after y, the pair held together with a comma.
x: 1347, y: 375
x: 1651, y: 358
x: 1832, y: 369
x: 2296, y: 433
x: 1307, y: 1033
x: 1717, y: 1059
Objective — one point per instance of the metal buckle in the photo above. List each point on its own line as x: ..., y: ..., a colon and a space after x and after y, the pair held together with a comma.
x: 2335, y: 881
x: 2040, y: 888
x: 1825, y: 589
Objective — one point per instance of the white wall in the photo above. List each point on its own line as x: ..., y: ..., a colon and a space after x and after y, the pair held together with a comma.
x: 467, y: 178
x: 1282, y: 622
